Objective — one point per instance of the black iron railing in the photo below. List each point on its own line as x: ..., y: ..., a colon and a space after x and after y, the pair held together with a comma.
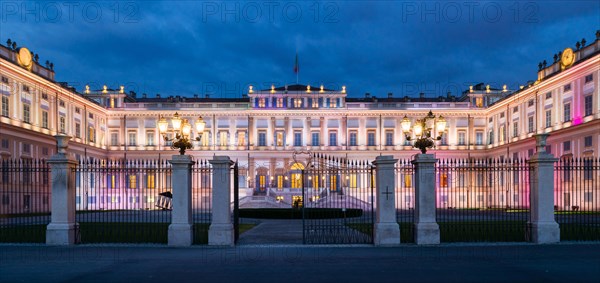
x: 577, y: 198
x: 24, y: 200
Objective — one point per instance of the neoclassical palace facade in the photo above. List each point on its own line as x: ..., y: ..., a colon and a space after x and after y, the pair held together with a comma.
x: 264, y: 127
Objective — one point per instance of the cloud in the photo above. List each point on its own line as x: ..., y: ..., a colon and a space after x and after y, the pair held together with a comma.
x: 183, y: 48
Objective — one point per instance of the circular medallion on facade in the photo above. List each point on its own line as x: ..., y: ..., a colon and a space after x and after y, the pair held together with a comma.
x: 567, y: 58
x: 24, y: 58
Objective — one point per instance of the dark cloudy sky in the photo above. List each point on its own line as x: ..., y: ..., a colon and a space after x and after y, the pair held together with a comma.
x: 198, y: 47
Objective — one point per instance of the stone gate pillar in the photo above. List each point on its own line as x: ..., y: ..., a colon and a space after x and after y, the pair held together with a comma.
x: 427, y: 231
x: 181, y: 227
x: 542, y: 225
x: 63, y: 229
x: 220, y: 232
x: 387, y: 230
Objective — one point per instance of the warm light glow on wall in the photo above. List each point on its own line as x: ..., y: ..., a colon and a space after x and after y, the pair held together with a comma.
x: 308, y: 88
x: 487, y: 88
x: 470, y: 88
x: 122, y: 90
x: 104, y: 89
x: 250, y: 90
x: 343, y: 89
x: 504, y: 88
x: 322, y: 89
x: 87, y: 89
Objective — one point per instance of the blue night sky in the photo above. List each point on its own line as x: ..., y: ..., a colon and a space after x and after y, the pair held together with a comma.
x: 194, y: 47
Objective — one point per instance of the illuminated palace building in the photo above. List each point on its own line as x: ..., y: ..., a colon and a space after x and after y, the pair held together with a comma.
x: 264, y: 127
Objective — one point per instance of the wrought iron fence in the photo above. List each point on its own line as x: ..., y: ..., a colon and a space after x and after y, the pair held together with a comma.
x: 337, y: 201
x: 405, y: 199
x: 482, y: 200
x: 25, y: 204
x: 201, y: 200
x: 576, y: 198
x: 123, y: 201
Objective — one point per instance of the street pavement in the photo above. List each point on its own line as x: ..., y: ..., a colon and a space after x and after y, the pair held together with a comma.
x: 566, y: 262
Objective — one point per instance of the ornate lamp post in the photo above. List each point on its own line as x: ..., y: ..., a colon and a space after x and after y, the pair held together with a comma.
x: 426, y: 130
x: 182, y: 130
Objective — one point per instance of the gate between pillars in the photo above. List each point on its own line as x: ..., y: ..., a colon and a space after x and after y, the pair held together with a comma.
x: 337, y: 200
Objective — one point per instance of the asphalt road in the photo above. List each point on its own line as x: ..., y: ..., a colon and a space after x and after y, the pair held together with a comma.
x: 568, y: 262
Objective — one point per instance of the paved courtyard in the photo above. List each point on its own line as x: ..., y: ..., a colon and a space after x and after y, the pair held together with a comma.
x: 295, y: 263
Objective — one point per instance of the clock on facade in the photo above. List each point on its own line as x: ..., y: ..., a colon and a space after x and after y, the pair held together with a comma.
x: 567, y: 58
x: 24, y: 58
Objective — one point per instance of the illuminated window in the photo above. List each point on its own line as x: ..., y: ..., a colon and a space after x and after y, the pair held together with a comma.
x: 333, y: 182
x: 280, y: 102
x: 443, y: 179
x: 280, y: 182
x: 315, y: 103
x: 352, y: 180
x: 132, y: 182
x: 479, y: 102
x: 112, y: 102
x: 296, y: 176
x: 332, y: 103
x: 279, y: 138
x: 241, y: 138
x: 407, y: 180
x: 261, y: 102
x: 91, y: 134
x: 223, y: 138
x: 150, y: 181
x: 112, y: 181
x: 297, y: 102
x: 262, y: 181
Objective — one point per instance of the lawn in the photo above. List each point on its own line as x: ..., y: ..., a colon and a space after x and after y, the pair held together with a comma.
x: 294, y: 213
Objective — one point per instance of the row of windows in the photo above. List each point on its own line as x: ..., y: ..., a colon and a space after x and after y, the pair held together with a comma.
x: 281, y: 102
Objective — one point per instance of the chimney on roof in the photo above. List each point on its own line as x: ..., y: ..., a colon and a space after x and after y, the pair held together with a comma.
x: 367, y: 95
x: 422, y: 95
x: 390, y: 95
